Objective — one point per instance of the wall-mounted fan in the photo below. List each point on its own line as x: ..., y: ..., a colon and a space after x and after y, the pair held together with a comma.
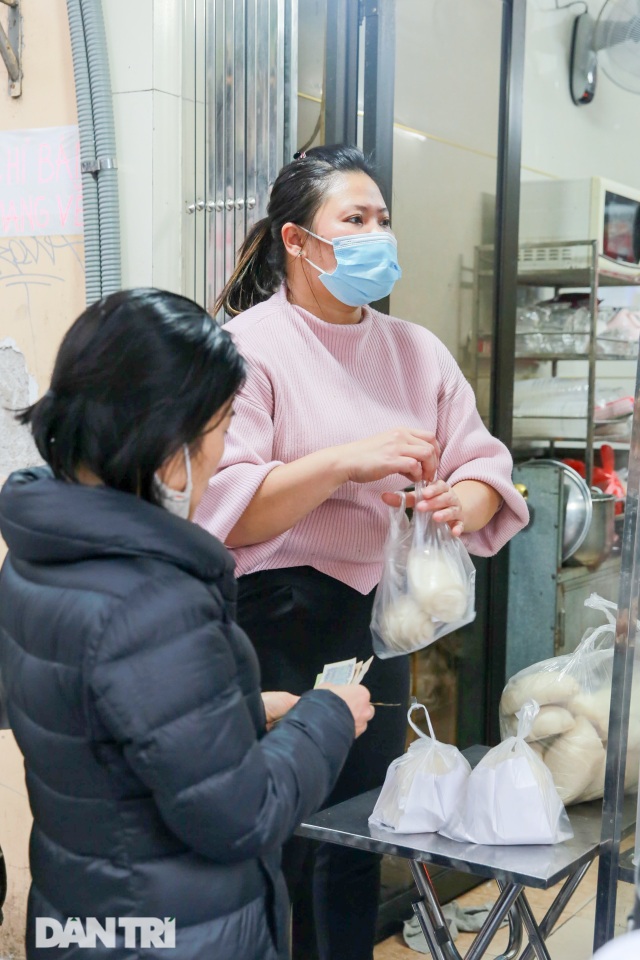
x: 610, y: 43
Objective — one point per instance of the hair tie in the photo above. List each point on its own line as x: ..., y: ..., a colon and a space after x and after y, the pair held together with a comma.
x: 300, y: 155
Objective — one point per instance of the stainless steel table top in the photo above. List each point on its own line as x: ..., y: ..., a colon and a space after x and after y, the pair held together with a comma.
x: 534, y: 866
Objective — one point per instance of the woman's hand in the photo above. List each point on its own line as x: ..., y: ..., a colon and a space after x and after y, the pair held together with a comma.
x: 440, y: 499
x: 412, y: 453
x: 357, y: 698
x: 277, y: 703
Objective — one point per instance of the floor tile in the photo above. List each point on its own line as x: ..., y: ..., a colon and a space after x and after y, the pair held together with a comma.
x: 573, y: 940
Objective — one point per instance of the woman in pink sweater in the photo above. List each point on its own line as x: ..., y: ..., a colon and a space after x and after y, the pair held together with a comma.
x: 342, y: 406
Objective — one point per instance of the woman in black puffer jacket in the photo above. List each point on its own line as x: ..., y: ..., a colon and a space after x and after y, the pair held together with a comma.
x: 155, y: 790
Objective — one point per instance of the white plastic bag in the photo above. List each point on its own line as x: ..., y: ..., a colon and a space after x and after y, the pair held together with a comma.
x: 427, y: 587
x: 510, y: 797
x: 572, y: 727
x: 423, y: 786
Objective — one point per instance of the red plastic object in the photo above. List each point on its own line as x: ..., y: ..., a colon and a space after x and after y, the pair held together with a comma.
x: 604, y: 477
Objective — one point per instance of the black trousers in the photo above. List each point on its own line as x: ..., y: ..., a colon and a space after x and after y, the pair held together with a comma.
x: 299, y: 619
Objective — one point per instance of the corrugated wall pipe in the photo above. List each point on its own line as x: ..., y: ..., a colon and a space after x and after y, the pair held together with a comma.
x: 97, y: 148
x: 87, y: 149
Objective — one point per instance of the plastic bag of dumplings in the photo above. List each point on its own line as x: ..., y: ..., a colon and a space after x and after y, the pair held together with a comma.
x: 571, y: 730
x: 422, y: 788
x: 427, y: 587
x: 510, y: 797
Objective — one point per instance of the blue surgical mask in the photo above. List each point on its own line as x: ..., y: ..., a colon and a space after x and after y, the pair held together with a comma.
x: 366, y: 267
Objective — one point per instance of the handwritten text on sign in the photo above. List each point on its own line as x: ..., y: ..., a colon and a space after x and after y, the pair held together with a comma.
x: 40, y: 185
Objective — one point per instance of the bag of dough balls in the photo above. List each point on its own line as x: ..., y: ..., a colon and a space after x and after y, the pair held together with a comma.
x: 427, y: 587
x: 397, y: 625
x: 510, y: 797
x: 422, y: 788
x: 572, y: 727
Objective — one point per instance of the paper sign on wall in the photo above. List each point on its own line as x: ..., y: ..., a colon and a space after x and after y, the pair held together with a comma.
x: 40, y: 183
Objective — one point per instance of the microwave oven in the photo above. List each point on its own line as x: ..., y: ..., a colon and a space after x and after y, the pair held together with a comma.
x: 591, y: 209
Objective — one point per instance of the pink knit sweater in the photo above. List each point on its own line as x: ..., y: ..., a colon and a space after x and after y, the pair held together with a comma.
x: 314, y: 384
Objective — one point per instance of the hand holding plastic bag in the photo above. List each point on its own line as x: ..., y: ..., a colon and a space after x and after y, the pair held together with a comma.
x: 427, y: 587
x: 510, y: 797
x: 423, y: 786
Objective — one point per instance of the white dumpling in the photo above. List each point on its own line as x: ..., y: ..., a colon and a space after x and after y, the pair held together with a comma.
x: 573, y: 760
x: 405, y: 626
x: 632, y: 770
x: 633, y: 734
x: 437, y: 586
x: 595, y: 707
x: 551, y: 721
x: 595, y: 788
x: 548, y: 686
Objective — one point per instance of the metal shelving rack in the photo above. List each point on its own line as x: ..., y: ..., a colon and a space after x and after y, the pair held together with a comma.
x: 613, y: 866
x: 563, y: 277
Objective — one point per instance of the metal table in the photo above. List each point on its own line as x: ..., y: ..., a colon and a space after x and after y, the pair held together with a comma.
x: 513, y: 868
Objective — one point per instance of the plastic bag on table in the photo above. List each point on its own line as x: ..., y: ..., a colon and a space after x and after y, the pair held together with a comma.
x: 427, y: 588
x: 510, y: 797
x: 422, y: 787
x: 572, y: 727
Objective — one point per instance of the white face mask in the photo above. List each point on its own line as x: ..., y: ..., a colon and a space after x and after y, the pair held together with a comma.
x: 177, y: 502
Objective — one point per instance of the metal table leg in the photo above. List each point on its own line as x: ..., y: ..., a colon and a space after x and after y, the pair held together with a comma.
x: 512, y: 902
x: 436, y: 930
x: 533, y: 930
x: 509, y: 897
x: 430, y: 916
x: 430, y: 935
x: 515, y: 936
x: 550, y: 918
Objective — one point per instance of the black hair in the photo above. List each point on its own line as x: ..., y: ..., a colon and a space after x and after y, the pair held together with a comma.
x: 140, y: 373
x: 296, y: 197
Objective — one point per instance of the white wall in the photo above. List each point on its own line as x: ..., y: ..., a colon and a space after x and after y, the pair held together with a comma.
x: 144, y: 41
x: 560, y: 139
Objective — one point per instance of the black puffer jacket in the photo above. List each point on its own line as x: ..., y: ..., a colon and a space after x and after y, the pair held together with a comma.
x: 135, y: 700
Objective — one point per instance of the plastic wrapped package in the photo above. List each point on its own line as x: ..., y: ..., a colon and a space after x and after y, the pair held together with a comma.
x: 576, y: 692
x: 427, y: 588
x: 422, y: 787
x: 568, y: 396
x: 551, y: 720
x: 510, y: 797
x: 621, y: 333
x: 575, y: 760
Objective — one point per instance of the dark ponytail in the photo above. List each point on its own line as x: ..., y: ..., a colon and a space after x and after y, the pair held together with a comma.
x: 296, y: 197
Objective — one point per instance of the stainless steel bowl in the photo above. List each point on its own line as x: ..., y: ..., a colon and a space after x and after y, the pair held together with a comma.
x: 598, y: 543
x: 577, y: 505
x: 578, y: 511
